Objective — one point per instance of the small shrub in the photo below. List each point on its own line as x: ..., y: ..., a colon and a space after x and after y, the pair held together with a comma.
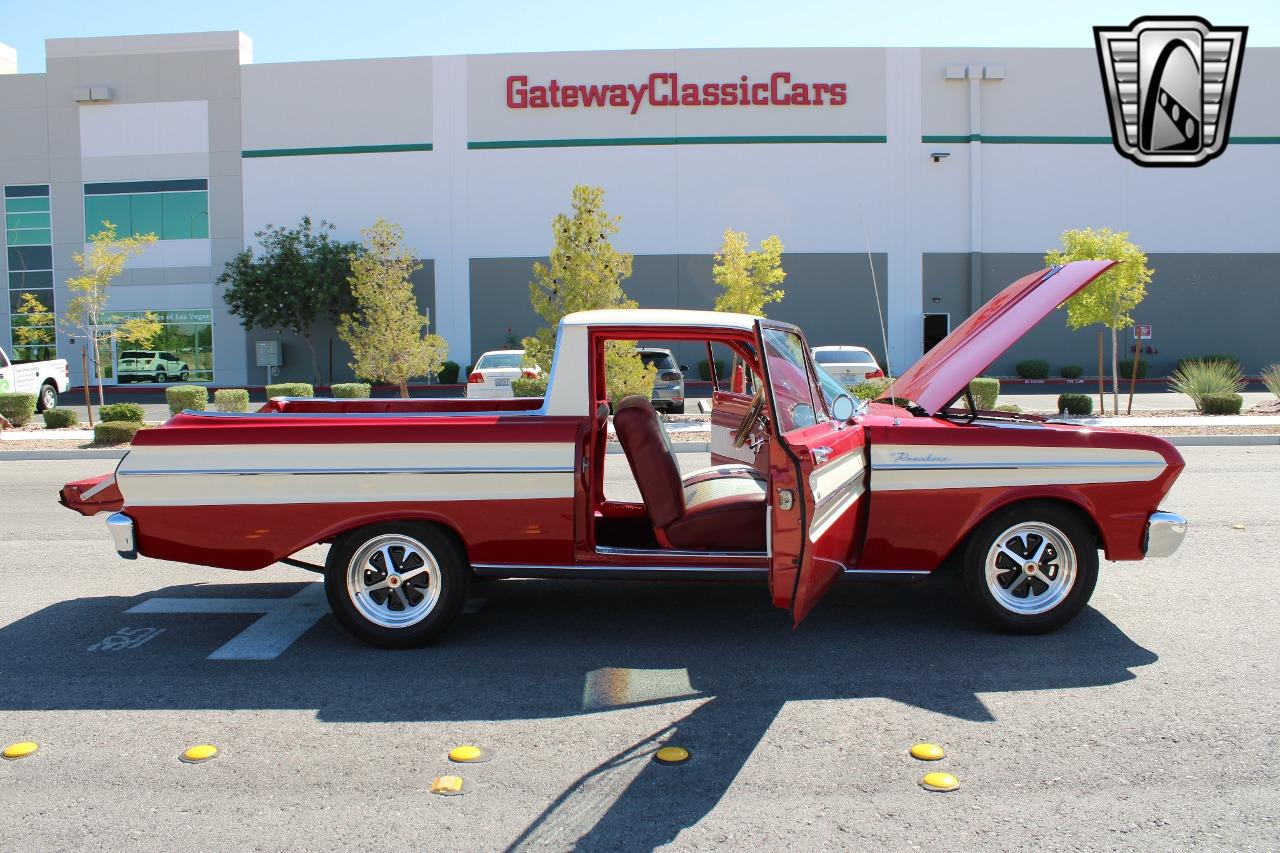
x: 985, y: 391
x: 529, y: 387
x: 115, y: 432
x: 1197, y: 379
x: 121, y: 412
x: 1071, y: 371
x: 470, y: 367
x: 1075, y: 404
x: 290, y: 389
x: 704, y: 369
x: 871, y: 390
x: 182, y: 397
x: 1221, y: 404
x: 60, y: 418
x: 1008, y: 407
x: 1271, y: 378
x: 18, y: 408
x: 1033, y: 368
x: 1126, y: 369
x: 351, y: 390
x: 231, y: 400
x: 448, y: 374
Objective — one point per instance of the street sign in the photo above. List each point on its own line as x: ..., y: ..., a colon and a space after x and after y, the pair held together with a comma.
x: 268, y: 353
x: 1142, y: 332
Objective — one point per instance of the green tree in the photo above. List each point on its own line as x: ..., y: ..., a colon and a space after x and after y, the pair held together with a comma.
x: 1107, y: 300
x: 585, y: 272
x: 387, y: 335
x: 300, y: 276
x: 86, y: 312
x: 749, y: 278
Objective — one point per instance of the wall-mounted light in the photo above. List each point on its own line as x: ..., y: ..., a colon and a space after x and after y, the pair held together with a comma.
x: 936, y: 300
x: 939, y: 156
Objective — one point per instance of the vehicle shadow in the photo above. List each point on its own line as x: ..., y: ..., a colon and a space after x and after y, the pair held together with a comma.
x: 537, y: 649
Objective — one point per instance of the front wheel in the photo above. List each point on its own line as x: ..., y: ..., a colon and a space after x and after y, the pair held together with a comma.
x: 1030, y: 568
x: 397, y: 585
x: 48, y: 397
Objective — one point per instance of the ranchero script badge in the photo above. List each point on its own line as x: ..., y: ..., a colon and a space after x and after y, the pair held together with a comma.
x: 1170, y: 85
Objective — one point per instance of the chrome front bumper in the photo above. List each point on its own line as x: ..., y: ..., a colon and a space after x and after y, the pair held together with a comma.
x: 1165, y: 532
x: 120, y: 526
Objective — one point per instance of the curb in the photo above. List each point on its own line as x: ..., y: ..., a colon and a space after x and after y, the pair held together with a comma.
x: 45, y: 453
x: 1222, y: 440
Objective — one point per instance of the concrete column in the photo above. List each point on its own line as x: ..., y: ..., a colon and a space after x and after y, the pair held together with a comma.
x: 449, y: 151
x: 974, y: 73
x: 905, y: 302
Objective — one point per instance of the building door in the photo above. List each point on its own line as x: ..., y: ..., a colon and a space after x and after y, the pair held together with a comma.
x: 936, y: 327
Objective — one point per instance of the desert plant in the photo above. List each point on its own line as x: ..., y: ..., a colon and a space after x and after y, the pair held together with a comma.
x: 1229, y: 359
x: 1071, y: 371
x: 1221, y: 404
x: 290, y: 389
x: 1033, y: 368
x: 351, y: 390
x: 18, y: 408
x: 704, y: 369
x: 1126, y: 368
x: 115, y: 432
x: 1075, y: 404
x: 60, y: 418
x: 182, y: 397
x: 527, y: 386
x: 448, y: 374
x: 231, y: 400
x: 131, y: 412
x: 872, y: 389
x: 1271, y: 378
x: 985, y: 391
x: 1199, y: 378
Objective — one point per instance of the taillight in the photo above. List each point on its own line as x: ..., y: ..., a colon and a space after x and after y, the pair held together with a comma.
x: 875, y: 374
x: 529, y: 374
x: 475, y: 378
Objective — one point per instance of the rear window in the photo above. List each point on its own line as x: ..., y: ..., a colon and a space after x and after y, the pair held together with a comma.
x: 658, y: 360
x: 133, y: 353
x: 495, y: 360
x: 843, y: 357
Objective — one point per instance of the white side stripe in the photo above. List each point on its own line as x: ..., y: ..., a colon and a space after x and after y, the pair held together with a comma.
x: 903, y: 467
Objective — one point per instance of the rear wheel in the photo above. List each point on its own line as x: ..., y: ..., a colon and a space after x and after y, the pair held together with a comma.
x: 48, y: 398
x: 161, y: 376
x: 396, y: 585
x: 1030, y: 568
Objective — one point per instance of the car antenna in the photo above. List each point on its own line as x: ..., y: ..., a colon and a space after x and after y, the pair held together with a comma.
x: 884, y: 334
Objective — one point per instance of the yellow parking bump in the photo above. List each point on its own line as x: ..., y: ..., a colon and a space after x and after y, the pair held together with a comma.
x: 199, y: 754
x: 671, y: 755
x: 21, y: 749
x: 470, y: 754
x: 448, y: 786
x: 939, y: 782
x: 927, y: 752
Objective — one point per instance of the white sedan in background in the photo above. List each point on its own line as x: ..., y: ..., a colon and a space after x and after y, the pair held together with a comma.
x: 849, y: 365
x: 492, y: 374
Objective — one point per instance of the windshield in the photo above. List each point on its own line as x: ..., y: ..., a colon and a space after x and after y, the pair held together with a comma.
x: 658, y: 360
x: 491, y: 361
x: 843, y: 357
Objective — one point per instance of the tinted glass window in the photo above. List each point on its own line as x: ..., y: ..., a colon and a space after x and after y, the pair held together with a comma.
x: 659, y: 360
x: 499, y: 360
x: 133, y: 353
x: 793, y: 396
x: 842, y: 357
x: 30, y: 258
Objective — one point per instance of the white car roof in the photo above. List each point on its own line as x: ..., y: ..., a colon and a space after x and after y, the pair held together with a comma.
x: 660, y: 317
x: 842, y: 348
x: 501, y: 352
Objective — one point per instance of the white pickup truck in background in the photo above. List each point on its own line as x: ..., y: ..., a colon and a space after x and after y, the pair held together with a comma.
x: 45, y: 379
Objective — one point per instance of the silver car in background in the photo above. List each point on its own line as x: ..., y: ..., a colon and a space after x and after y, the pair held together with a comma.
x: 668, y: 385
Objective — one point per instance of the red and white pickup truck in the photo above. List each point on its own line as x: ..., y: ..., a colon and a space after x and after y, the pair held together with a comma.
x: 417, y: 497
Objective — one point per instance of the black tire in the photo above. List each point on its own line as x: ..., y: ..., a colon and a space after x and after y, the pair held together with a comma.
x: 182, y: 377
x: 452, y: 572
x: 1060, y: 584
x: 48, y: 397
x: 161, y: 376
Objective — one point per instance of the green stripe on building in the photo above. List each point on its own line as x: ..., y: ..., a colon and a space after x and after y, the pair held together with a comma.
x: 335, y: 149
x: 673, y: 140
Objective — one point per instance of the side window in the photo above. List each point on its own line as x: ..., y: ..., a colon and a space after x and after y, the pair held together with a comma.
x: 794, y: 400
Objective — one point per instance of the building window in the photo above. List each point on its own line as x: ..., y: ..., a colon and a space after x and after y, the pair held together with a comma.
x: 182, y: 352
x: 28, y: 246
x: 172, y: 210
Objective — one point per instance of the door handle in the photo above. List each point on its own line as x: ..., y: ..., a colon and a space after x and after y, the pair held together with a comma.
x: 821, y: 454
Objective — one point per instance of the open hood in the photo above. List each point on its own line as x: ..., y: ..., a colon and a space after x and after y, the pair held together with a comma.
x: 942, y: 374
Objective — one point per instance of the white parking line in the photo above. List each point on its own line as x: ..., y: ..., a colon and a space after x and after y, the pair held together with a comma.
x: 284, y: 620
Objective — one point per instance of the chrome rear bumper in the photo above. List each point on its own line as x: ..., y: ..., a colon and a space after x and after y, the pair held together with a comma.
x: 1165, y: 532
x: 120, y: 526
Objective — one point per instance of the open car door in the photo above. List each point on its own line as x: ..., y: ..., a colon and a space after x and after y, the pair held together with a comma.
x: 818, y: 476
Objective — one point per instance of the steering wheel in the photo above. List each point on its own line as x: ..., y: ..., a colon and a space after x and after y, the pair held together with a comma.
x: 754, y: 408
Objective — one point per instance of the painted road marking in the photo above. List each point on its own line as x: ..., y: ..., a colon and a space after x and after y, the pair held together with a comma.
x: 126, y: 638
x: 284, y: 620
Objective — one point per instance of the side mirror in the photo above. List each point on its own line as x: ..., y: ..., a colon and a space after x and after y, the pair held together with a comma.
x: 842, y: 408
x: 684, y: 368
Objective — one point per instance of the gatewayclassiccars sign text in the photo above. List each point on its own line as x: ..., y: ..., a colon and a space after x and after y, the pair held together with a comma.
x: 665, y: 89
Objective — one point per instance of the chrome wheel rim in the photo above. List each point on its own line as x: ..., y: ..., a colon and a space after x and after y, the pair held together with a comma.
x: 48, y: 398
x: 1031, y: 568
x: 393, y: 581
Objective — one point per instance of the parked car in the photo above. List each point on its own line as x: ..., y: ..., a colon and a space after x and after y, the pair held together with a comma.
x: 492, y: 374
x: 45, y: 379
x: 849, y: 365
x: 668, y: 385
x: 417, y: 497
x: 136, y: 365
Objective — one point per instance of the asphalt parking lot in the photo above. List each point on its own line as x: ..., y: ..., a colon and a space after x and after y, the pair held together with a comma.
x: 1148, y: 723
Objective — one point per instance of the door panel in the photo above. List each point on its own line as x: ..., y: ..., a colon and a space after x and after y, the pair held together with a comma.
x: 727, y: 411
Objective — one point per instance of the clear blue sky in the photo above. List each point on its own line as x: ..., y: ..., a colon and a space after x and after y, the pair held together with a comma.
x: 289, y: 30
